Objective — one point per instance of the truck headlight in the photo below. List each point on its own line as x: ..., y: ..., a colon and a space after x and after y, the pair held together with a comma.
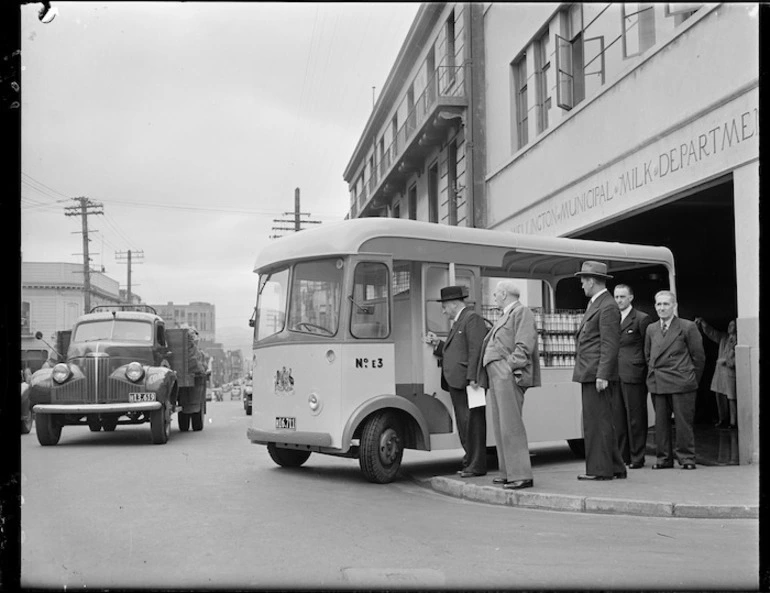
x: 61, y: 372
x: 134, y: 372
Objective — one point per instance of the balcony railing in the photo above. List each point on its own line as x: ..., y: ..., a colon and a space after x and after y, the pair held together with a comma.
x: 447, y: 82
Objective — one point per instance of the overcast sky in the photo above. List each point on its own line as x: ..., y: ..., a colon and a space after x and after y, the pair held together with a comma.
x: 192, y: 123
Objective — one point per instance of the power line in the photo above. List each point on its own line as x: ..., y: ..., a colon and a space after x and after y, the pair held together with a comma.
x: 297, y: 221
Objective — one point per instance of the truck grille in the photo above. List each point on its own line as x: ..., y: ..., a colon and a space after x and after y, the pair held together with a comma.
x: 96, y: 386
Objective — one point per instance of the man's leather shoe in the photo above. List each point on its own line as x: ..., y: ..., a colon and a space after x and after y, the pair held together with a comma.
x: 620, y: 475
x: 688, y: 466
x: 499, y: 480
x: 592, y: 477
x: 467, y: 474
x: 518, y: 484
x: 635, y: 465
x: 663, y: 466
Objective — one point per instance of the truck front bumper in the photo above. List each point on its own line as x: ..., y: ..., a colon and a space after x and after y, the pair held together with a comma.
x: 96, y: 408
x: 314, y: 439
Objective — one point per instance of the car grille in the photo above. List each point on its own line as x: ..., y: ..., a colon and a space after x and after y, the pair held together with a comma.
x: 95, y: 386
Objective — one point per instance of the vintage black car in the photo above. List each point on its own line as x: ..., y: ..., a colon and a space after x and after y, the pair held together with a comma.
x: 121, y: 367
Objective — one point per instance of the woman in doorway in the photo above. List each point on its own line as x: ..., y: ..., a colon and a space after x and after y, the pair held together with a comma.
x: 723, y: 383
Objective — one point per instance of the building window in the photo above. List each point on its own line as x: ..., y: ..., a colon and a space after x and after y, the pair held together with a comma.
x: 681, y: 12
x: 542, y: 67
x: 520, y: 91
x: 433, y: 193
x: 638, y: 28
x: 570, y: 83
x: 412, y: 203
x: 25, y: 326
x: 397, y: 210
x: 451, y: 59
x: 451, y: 178
x: 394, y: 131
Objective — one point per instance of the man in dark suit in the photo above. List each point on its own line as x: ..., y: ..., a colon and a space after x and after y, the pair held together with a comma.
x: 596, y: 369
x: 459, y: 356
x: 512, y: 364
x: 673, y: 348
x: 631, y: 399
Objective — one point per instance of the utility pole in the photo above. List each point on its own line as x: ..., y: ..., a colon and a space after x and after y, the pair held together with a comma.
x: 123, y: 257
x: 297, y: 221
x: 86, y: 208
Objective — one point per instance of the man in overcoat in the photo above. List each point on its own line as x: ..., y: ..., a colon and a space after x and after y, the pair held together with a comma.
x: 596, y: 369
x: 511, y: 365
x: 631, y: 399
x: 459, y: 355
x: 673, y: 348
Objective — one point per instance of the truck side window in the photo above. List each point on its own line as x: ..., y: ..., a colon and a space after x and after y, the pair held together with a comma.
x: 161, y: 336
x: 370, y: 301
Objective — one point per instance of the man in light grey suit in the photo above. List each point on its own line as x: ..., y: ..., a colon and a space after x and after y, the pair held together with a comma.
x: 512, y: 364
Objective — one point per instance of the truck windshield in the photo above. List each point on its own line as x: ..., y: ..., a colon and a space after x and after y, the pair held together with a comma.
x: 316, y: 291
x: 271, y: 304
x: 113, y: 329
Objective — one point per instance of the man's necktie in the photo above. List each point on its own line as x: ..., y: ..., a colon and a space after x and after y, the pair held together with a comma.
x: 664, y: 328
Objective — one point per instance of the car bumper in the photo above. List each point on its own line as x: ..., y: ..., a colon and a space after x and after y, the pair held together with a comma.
x: 95, y: 408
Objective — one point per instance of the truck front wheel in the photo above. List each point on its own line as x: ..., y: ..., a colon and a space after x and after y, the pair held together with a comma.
x: 48, y: 429
x: 287, y: 457
x: 160, y: 426
x: 381, y: 447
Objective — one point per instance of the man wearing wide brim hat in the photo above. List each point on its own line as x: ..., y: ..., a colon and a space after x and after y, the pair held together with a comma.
x: 459, y: 355
x: 596, y: 369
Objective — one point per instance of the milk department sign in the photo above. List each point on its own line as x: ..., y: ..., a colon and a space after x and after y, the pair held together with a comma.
x: 723, y: 139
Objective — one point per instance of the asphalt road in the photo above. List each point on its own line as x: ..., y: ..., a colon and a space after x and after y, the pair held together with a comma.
x: 210, y: 510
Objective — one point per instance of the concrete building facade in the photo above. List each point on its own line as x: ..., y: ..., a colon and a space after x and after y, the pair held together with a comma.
x: 637, y: 123
x: 52, y: 298
x: 200, y: 315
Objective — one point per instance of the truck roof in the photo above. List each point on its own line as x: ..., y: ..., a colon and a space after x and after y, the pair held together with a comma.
x: 126, y: 315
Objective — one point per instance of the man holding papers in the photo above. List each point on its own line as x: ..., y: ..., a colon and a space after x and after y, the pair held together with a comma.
x: 459, y: 356
x: 512, y: 364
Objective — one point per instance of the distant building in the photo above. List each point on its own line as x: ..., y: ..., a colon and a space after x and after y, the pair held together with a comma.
x: 200, y: 315
x: 52, y: 298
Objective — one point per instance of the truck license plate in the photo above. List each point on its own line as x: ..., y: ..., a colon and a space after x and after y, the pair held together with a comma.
x: 141, y: 397
x: 285, y: 422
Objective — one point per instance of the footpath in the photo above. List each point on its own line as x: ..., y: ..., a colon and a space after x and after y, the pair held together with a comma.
x: 710, y: 491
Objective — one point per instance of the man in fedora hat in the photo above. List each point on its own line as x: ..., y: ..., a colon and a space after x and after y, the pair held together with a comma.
x: 596, y: 369
x: 459, y: 355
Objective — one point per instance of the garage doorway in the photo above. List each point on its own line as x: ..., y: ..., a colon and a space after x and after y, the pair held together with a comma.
x: 699, y: 229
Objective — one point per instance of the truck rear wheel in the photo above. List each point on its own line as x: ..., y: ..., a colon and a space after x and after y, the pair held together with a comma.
x: 381, y: 447
x: 197, y: 419
x: 287, y: 457
x: 48, y: 429
x: 184, y: 421
x: 160, y: 426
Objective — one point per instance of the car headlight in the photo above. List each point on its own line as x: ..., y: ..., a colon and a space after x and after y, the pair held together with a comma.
x: 61, y: 372
x: 134, y: 371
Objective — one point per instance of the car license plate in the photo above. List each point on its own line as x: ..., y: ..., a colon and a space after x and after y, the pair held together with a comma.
x: 285, y: 422
x: 141, y: 397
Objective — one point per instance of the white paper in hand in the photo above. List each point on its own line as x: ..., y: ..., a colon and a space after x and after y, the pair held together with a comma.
x: 477, y: 396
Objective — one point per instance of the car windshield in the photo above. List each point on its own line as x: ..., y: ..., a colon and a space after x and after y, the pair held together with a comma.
x: 113, y: 329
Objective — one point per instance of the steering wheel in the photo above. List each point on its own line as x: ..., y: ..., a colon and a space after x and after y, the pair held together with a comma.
x: 312, y: 326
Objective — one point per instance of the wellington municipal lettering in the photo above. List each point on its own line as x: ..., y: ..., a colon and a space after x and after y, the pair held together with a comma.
x: 718, y: 139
